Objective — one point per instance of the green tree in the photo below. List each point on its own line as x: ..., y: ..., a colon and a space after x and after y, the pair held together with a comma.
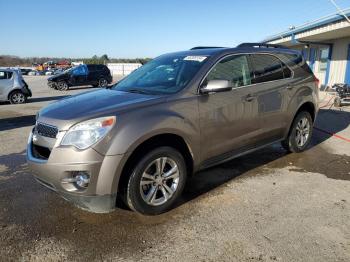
x: 105, y: 57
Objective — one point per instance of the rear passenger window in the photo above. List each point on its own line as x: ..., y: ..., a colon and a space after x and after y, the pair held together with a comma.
x: 269, y: 68
x: 5, y: 75
x: 234, y: 68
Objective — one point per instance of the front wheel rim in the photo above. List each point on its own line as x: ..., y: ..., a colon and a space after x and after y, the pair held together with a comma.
x: 63, y: 86
x: 159, y: 181
x: 303, y: 129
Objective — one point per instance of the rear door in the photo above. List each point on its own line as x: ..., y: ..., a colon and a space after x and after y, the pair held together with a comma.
x: 228, y: 120
x: 92, y: 77
x: 272, y: 79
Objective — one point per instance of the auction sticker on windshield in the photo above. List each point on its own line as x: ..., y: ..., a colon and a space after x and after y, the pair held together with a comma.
x: 195, y: 58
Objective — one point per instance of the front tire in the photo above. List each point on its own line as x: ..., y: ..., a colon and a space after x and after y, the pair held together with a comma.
x: 156, y: 182
x: 300, y: 133
x: 62, y: 86
x: 17, y: 97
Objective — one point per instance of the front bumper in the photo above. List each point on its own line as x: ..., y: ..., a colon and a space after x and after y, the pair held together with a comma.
x: 52, y: 84
x: 99, y: 196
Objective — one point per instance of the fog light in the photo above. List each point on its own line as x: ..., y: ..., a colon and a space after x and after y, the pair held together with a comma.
x: 82, y: 179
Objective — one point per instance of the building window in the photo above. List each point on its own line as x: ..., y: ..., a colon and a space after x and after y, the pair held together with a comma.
x: 323, y: 59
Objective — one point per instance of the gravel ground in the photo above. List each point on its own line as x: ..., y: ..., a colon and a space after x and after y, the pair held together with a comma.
x: 266, y: 206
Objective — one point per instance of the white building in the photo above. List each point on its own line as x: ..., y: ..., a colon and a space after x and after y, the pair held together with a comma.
x: 325, y: 44
x: 122, y: 69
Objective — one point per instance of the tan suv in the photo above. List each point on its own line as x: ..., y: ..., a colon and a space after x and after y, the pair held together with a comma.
x: 181, y: 112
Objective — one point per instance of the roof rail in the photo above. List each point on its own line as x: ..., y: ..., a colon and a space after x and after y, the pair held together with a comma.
x: 205, y: 47
x: 262, y: 45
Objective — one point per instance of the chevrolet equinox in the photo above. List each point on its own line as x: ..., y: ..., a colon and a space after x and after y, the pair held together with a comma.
x: 182, y: 112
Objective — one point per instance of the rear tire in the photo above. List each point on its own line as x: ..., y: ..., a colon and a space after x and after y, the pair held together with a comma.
x: 300, y: 133
x: 17, y: 97
x: 102, y: 82
x: 156, y: 182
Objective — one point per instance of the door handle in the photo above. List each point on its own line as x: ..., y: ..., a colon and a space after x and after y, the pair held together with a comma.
x: 249, y: 98
x: 290, y: 87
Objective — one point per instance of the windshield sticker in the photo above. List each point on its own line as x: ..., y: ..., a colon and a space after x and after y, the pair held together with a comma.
x: 195, y: 58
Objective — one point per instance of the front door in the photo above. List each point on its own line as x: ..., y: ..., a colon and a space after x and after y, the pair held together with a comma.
x: 228, y: 120
x: 79, y: 75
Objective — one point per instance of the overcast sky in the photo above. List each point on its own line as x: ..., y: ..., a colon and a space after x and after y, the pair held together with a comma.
x: 140, y: 28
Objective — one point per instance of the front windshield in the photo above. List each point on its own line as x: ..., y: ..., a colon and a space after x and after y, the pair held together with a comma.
x: 69, y: 69
x: 164, y: 75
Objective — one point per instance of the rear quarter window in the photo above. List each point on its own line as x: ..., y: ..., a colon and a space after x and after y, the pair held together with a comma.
x: 296, y: 61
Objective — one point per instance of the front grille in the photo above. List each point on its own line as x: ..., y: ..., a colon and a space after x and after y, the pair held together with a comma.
x: 46, y: 130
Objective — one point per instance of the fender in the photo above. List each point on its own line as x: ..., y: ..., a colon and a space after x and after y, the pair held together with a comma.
x: 133, y: 134
x: 13, y: 90
x: 136, y: 125
x: 304, y: 95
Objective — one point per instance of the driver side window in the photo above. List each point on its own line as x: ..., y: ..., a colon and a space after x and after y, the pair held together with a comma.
x: 80, y: 70
x: 234, y: 69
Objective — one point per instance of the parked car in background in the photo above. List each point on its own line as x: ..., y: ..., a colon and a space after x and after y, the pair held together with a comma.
x: 35, y: 73
x: 12, y: 86
x: 95, y: 75
x: 58, y: 71
x: 25, y: 71
x: 179, y: 113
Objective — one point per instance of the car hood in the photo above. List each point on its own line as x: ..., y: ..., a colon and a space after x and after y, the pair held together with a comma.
x: 69, y: 111
x: 58, y: 77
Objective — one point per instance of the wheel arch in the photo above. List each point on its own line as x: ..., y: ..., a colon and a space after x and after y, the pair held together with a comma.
x: 166, y: 139
x: 14, y: 90
x: 306, y: 106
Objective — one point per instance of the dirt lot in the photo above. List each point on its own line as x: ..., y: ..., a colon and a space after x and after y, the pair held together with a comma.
x: 266, y: 206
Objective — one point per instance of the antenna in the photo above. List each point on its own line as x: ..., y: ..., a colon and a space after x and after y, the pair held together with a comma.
x: 341, y: 12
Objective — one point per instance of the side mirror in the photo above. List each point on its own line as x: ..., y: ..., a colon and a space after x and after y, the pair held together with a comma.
x: 214, y: 86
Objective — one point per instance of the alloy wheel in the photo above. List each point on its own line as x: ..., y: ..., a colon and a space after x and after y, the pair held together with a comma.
x: 103, y: 83
x: 303, y: 129
x: 62, y: 86
x: 18, y: 98
x: 159, y: 181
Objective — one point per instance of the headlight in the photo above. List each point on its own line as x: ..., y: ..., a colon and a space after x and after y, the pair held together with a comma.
x: 87, y: 133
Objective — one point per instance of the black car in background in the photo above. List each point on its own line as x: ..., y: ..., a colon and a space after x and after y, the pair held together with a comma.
x: 95, y: 75
x: 25, y: 71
